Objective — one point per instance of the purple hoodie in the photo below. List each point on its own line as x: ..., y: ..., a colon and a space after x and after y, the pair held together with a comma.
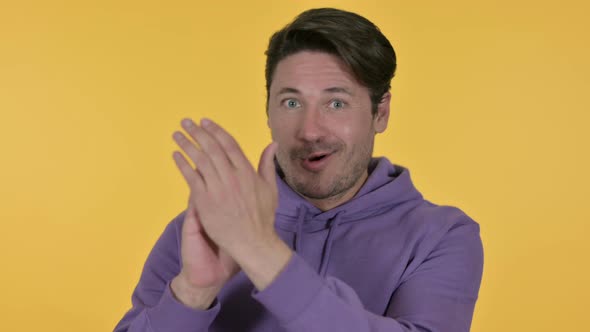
x: 387, y: 260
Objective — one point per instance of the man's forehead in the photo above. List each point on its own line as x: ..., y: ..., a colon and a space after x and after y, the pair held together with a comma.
x: 313, y: 69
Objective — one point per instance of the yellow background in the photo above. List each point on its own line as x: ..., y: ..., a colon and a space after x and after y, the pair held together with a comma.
x: 489, y: 111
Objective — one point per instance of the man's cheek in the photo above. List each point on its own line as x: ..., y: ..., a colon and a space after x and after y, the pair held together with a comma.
x: 282, y: 155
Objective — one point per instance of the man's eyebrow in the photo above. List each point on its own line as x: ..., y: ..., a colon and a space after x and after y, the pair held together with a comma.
x: 339, y: 90
x: 288, y: 90
x: 335, y: 89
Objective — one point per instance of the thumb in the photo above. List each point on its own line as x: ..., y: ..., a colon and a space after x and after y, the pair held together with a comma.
x: 266, y: 166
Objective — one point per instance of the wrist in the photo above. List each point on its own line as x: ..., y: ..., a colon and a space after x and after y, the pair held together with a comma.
x: 264, y: 261
x: 193, y: 297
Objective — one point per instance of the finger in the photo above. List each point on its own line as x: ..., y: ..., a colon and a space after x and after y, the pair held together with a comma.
x: 186, y: 145
x: 191, y: 214
x: 231, y: 148
x: 192, y: 177
x: 202, y: 162
x: 266, y: 166
x: 211, y: 148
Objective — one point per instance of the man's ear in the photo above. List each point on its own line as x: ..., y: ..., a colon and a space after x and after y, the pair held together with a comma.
x: 381, y: 118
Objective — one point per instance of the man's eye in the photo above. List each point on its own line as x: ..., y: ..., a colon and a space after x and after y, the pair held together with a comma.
x: 291, y: 103
x: 337, y: 104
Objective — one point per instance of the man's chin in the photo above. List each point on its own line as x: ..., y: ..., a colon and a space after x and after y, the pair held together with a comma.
x: 310, y: 185
x: 312, y: 190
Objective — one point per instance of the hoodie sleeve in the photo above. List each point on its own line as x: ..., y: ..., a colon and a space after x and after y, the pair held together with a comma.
x: 437, y: 296
x: 154, y: 307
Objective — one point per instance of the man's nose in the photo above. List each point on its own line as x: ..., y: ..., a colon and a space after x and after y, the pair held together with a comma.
x: 311, y: 126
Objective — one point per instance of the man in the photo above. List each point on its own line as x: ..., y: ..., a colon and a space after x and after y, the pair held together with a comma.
x: 322, y: 237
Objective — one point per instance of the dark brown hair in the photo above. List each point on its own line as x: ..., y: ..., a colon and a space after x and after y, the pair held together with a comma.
x: 353, y: 38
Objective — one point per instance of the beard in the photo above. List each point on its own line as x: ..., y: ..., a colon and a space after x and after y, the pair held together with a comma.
x: 347, y: 167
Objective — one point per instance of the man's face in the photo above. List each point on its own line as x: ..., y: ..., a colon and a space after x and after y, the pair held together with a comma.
x: 321, y: 117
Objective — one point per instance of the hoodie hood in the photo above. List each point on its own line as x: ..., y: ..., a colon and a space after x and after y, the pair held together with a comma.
x: 386, y: 187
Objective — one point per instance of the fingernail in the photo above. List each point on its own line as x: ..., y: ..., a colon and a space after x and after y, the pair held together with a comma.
x: 187, y: 123
x: 205, y: 122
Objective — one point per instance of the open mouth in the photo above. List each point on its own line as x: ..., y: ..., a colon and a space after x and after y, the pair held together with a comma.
x: 318, y: 157
x: 317, y: 161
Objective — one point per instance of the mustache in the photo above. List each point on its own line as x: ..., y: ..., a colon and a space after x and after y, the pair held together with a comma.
x: 310, y: 148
